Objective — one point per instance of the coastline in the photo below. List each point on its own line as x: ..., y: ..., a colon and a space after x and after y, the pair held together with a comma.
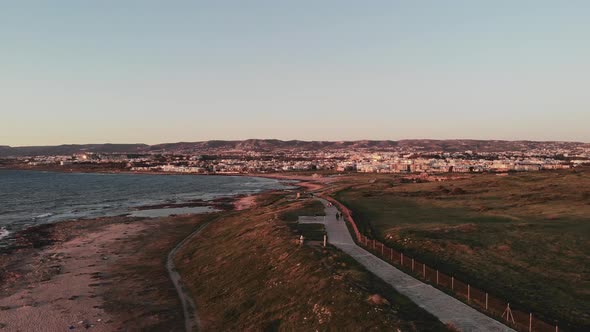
x: 68, y: 274
x: 115, y: 274
x: 223, y: 201
x: 276, y: 175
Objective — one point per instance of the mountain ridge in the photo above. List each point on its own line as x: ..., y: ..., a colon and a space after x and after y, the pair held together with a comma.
x: 446, y: 145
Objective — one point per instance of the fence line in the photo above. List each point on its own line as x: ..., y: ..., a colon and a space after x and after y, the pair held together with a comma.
x: 475, y: 297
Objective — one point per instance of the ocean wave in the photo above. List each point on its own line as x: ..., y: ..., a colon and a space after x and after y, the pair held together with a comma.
x: 53, y: 197
x: 3, y: 232
x: 44, y: 215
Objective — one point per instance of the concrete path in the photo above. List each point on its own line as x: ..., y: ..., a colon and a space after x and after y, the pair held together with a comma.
x: 441, y: 305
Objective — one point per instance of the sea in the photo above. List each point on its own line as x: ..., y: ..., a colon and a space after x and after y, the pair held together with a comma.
x: 29, y: 198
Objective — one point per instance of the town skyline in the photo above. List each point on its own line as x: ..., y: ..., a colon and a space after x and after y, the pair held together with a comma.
x: 264, y: 156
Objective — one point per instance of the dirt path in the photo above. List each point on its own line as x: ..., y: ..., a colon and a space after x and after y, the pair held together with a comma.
x: 448, y: 309
x: 191, y: 319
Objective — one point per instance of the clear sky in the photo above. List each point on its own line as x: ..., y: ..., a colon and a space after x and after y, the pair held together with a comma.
x: 120, y: 71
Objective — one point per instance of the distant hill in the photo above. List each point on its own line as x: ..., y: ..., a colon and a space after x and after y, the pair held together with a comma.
x: 6, y: 151
x: 263, y: 145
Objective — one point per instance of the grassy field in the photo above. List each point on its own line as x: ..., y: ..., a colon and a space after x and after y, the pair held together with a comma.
x: 248, y: 273
x: 523, y: 237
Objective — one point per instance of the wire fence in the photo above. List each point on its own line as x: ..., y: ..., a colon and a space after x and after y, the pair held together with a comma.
x: 483, y: 301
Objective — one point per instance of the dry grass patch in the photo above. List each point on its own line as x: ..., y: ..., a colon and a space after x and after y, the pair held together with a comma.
x: 248, y: 273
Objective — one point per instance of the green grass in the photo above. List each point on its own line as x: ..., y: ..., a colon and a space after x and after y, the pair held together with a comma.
x: 523, y: 238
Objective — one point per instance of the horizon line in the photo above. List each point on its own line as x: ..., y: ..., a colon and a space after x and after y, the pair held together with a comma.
x: 303, y: 140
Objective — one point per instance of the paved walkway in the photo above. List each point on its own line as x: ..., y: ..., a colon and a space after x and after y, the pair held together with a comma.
x: 441, y: 305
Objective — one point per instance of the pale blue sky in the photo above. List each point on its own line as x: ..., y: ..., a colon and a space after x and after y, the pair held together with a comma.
x: 164, y: 71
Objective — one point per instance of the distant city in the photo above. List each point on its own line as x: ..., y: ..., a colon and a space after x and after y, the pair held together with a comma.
x: 272, y: 156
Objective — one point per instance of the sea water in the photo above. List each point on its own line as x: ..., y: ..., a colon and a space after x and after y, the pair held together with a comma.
x: 30, y: 198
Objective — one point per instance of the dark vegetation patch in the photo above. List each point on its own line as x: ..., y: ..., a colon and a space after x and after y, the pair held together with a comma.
x: 307, y: 207
x: 311, y: 232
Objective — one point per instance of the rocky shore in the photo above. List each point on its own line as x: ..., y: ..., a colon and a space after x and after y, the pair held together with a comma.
x: 97, y: 274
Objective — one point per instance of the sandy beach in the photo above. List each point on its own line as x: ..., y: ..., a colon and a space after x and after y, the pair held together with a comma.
x: 245, y: 202
x: 67, y: 295
x: 92, y: 274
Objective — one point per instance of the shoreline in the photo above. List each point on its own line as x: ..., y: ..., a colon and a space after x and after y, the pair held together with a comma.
x: 222, y: 203
x: 10, y: 239
x: 62, y: 275
x: 274, y: 175
x: 39, y: 236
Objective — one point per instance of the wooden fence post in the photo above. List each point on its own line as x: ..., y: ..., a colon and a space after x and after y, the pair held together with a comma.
x: 531, y: 322
x: 412, y: 265
x: 468, y: 293
x: 391, y: 254
x: 325, y: 239
x: 401, y: 258
x: 382, y: 249
x: 509, y: 315
x: 424, y: 270
x: 452, y: 283
x: 486, y: 301
x: 437, y: 277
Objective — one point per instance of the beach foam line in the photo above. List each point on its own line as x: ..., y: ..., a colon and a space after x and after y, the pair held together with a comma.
x: 44, y: 215
x: 3, y: 233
